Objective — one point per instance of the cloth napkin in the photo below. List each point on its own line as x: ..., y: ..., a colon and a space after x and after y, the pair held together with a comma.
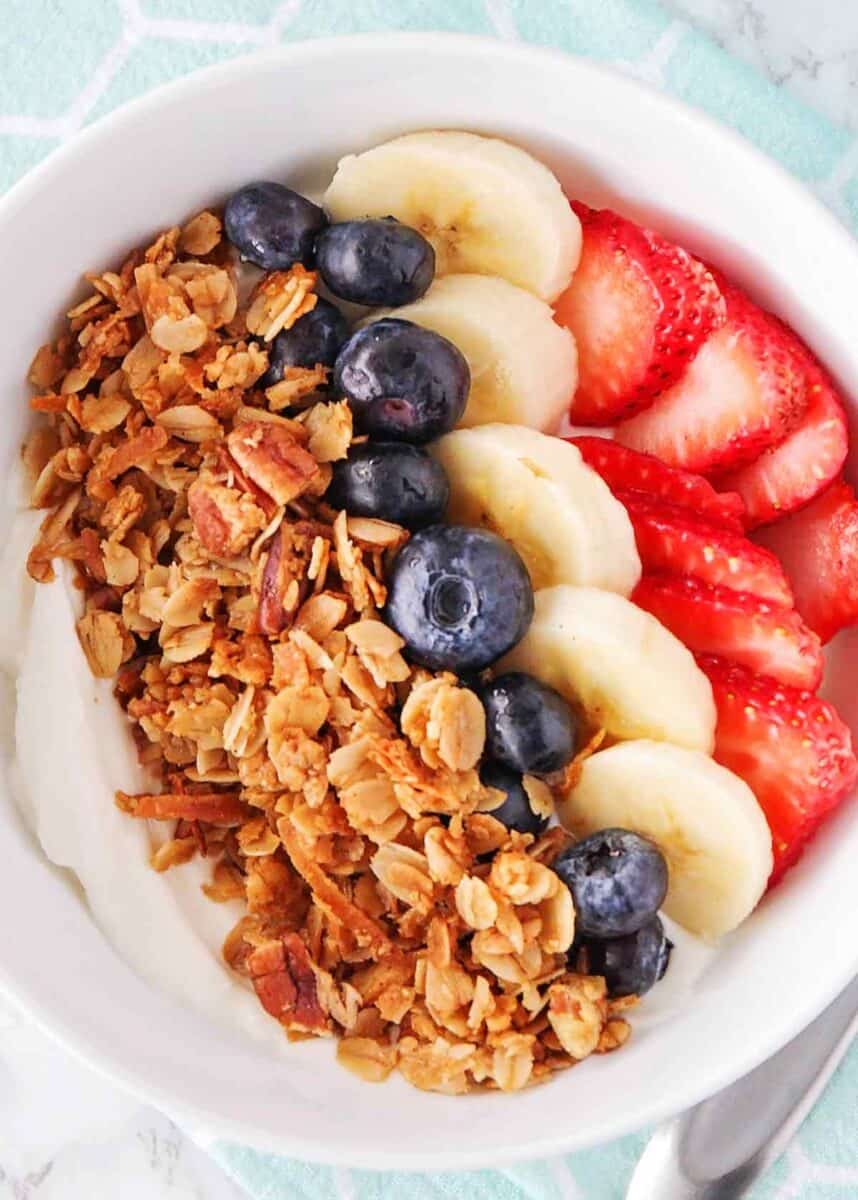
x: 66, y: 63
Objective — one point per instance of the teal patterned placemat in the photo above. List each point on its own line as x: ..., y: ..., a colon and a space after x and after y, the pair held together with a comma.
x: 67, y: 62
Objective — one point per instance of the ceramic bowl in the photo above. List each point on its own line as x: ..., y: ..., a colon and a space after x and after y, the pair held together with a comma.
x: 290, y: 114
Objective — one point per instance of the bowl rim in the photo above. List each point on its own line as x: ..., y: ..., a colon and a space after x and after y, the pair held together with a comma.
x: 209, y: 1127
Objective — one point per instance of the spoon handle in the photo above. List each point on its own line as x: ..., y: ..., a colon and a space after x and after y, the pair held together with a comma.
x: 716, y: 1150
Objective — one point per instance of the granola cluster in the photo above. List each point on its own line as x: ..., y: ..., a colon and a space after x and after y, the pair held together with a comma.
x: 333, y: 788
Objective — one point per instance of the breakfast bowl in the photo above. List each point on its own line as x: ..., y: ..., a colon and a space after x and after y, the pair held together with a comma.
x: 290, y: 115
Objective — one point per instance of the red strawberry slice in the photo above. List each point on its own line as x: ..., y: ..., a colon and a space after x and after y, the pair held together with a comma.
x: 789, y: 475
x: 709, y: 619
x: 742, y: 393
x: 818, y: 547
x: 791, y: 748
x: 673, y: 540
x: 640, y: 307
x: 624, y: 469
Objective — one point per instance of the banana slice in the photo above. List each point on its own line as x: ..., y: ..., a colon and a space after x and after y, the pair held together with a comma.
x: 485, y: 205
x: 538, y: 493
x: 704, y: 819
x: 523, y: 365
x: 631, y: 676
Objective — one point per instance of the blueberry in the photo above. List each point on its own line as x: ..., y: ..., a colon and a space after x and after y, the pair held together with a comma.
x: 631, y: 965
x: 404, y: 383
x: 272, y: 226
x: 314, y: 338
x: 392, y: 481
x: 515, y: 812
x: 459, y: 597
x: 377, y: 261
x: 617, y: 880
x: 529, y: 726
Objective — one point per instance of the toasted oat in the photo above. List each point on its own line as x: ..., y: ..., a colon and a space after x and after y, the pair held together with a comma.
x: 330, y: 428
x: 190, y: 422
x: 280, y: 300
x: 447, y: 723
x: 577, y: 1012
x: 367, y: 1058
x: 201, y: 234
x: 475, y: 903
x: 297, y: 384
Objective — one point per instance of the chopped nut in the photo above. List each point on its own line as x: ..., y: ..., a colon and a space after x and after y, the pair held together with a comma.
x: 273, y: 459
x: 225, y: 520
x: 286, y: 983
x: 105, y: 642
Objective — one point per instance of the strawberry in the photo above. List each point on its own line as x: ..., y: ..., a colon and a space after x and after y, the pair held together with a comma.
x: 743, y: 393
x: 711, y: 619
x: 787, y: 476
x: 624, y: 469
x: 791, y: 748
x: 640, y: 307
x: 673, y: 540
x: 818, y: 547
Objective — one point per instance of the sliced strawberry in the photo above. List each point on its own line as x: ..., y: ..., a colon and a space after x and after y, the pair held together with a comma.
x: 791, y: 748
x: 818, y: 547
x: 622, y: 468
x: 736, y: 625
x: 640, y: 307
x: 788, y: 476
x: 673, y: 540
x: 743, y: 392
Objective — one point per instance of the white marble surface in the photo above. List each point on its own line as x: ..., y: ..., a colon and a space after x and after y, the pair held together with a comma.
x: 66, y: 1134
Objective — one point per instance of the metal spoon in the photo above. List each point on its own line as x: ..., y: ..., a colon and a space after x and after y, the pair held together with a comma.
x: 718, y: 1149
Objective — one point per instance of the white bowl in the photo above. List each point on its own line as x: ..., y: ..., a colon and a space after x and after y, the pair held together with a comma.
x: 290, y: 114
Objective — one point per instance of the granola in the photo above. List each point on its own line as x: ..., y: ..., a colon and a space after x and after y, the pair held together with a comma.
x: 331, y: 786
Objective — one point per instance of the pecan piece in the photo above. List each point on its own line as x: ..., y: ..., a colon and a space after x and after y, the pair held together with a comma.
x: 285, y: 982
x: 225, y: 520
x: 283, y: 585
x: 273, y: 459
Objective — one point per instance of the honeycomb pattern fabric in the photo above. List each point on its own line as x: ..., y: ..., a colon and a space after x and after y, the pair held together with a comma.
x: 66, y: 64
